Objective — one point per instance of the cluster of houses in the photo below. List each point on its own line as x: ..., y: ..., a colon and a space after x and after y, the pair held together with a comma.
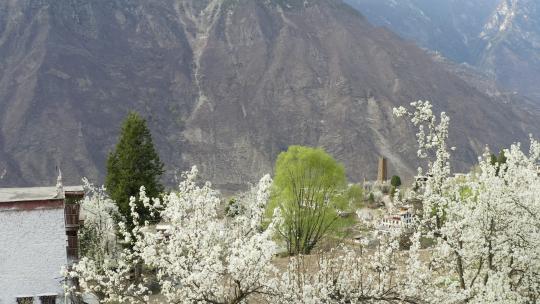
x: 400, y: 218
x: 38, y: 238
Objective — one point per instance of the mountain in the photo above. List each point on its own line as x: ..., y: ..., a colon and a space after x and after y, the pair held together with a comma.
x: 499, y: 37
x: 511, y: 49
x: 450, y: 27
x: 225, y: 85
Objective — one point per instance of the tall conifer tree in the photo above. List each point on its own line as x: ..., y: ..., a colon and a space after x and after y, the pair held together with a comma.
x: 133, y: 163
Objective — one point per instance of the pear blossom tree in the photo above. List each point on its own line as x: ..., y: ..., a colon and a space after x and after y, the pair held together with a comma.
x: 199, y: 257
x: 355, y: 275
x: 432, y: 147
x: 97, y: 236
x: 487, y: 245
x: 106, y: 267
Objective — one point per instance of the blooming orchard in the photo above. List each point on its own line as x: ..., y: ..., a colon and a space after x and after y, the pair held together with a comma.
x: 485, y: 225
x: 197, y: 257
x: 482, y: 231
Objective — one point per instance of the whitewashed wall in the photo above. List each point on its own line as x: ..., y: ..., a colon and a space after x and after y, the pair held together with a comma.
x: 32, y: 253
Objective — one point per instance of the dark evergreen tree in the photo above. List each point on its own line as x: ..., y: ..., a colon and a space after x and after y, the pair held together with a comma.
x: 501, y: 159
x: 395, y: 181
x: 133, y: 163
x: 498, y: 161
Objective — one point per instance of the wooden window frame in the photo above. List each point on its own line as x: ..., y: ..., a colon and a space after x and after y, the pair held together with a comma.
x: 25, y: 300
x: 47, y: 299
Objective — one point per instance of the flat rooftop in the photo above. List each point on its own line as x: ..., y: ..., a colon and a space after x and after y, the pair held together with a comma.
x: 35, y: 193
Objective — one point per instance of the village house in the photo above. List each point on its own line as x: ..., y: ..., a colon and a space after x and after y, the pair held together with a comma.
x: 38, y: 237
x: 402, y: 219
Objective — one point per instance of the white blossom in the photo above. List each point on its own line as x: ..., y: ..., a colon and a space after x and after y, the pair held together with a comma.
x: 200, y: 257
x: 476, y: 239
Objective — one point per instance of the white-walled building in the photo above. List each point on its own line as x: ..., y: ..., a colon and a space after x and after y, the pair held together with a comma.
x: 397, y: 221
x: 38, y: 237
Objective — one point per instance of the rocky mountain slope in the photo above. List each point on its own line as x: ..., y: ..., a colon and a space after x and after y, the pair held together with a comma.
x: 451, y: 27
x: 225, y: 85
x: 511, y: 49
x: 499, y: 37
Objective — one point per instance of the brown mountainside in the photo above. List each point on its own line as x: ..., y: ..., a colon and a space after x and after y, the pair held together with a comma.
x: 225, y: 85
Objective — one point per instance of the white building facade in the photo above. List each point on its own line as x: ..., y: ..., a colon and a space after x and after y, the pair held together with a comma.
x: 33, y: 245
x: 401, y: 220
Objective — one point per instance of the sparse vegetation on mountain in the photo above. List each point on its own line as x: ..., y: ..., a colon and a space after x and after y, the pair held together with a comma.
x: 223, y: 87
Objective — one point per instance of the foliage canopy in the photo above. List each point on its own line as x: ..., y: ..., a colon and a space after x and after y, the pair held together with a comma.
x: 395, y: 181
x: 133, y: 163
x: 306, y: 187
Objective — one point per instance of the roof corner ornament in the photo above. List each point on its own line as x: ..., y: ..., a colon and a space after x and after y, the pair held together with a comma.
x: 59, y: 184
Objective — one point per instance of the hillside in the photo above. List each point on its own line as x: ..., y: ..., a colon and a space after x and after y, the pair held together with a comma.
x: 225, y: 85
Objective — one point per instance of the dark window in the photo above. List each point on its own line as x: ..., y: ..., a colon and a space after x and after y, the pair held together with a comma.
x: 25, y: 300
x: 48, y: 299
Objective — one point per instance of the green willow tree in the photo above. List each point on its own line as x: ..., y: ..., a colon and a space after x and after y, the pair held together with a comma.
x: 133, y: 163
x: 307, y: 183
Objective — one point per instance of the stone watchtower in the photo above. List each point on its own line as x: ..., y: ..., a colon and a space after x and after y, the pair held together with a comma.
x: 382, y: 172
